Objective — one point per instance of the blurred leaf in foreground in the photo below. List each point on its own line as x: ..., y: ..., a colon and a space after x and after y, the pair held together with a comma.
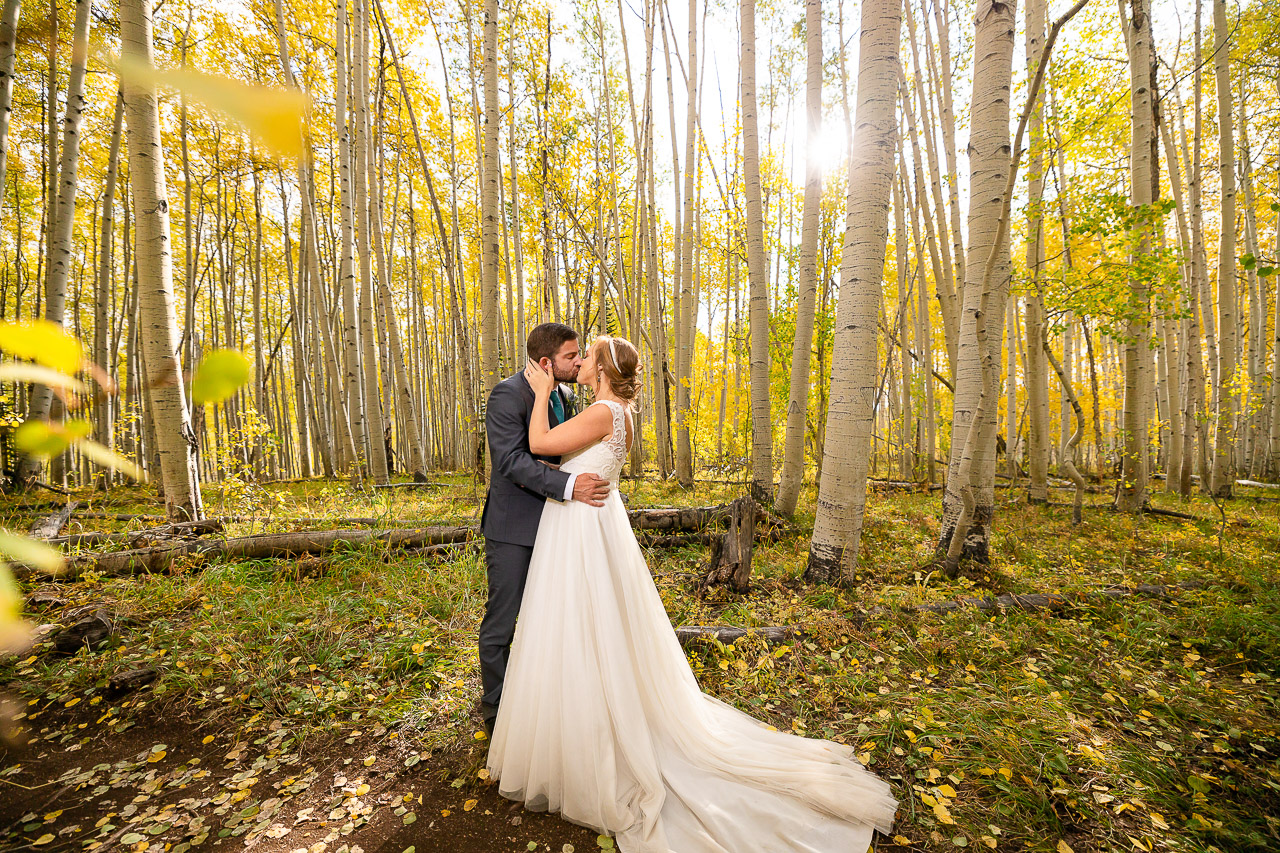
x: 219, y: 375
x: 273, y: 114
x: 43, y: 342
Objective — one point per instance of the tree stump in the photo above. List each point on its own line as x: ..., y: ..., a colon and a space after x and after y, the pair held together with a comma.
x: 731, y: 554
x: 123, y: 683
x: 89, y: 631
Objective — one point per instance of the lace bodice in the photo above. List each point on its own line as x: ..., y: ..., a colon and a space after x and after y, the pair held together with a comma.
x: 607, y: 456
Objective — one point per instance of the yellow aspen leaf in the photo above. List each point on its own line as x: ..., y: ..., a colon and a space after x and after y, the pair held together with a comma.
x: 272, y: 114
x: 43, y: 342
x: 156, y: 756
x: 947, y: 791
x: 1006, y: 773
x: 988, y: 841
x: 942, y: 813
x: 207, y: 739
x: 1064, y: 847
x: 469, y: 805
x: 44, y: 839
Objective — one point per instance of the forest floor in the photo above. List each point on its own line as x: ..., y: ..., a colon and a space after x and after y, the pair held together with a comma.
x: 328, y: 705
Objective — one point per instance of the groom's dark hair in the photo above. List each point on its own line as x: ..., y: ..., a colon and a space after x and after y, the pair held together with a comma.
x: 546, y: 339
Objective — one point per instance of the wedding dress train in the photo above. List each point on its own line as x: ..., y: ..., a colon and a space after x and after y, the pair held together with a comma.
x: 601, y: 718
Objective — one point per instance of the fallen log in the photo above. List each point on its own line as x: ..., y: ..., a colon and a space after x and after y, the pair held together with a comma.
x: 123, y: 683
x: 410, y: 485
x: 904, y: 486
x: 141, y: 538
x: 676, y: 540
x: 1052, y: 601
x: 163, y: 557
x: 772, y: 634
x: 677, y: 518
x: 51, y: 525
x: 265, y: 546
x: 1257, y: 485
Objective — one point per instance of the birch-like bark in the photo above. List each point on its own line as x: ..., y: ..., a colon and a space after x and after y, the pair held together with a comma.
x: 686, y: 315
x: 309, y: 271
x: 1131, y: 491
x: 757, y: 268
x: 842, y: 489
x: 170, y: 416
x: 1037, y: 379
x: 58, y: 270
x: 1223, y: 476
x: 989, y: 160
x: 491, y: 174
x: 346, y: 251
x: 792, y: 476
x: 104, y: 414
x: 375, y: 445
x: 8, y: 53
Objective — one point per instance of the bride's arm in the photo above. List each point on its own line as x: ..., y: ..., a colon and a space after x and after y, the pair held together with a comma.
x: 574, y: 434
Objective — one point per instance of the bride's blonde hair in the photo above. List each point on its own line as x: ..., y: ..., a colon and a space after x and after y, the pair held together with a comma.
x: 620, y: 362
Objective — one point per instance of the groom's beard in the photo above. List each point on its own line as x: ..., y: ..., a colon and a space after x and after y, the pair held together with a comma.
x: 565, y: 376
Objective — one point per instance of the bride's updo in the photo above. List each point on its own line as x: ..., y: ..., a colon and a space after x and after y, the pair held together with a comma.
x: 619, y: 360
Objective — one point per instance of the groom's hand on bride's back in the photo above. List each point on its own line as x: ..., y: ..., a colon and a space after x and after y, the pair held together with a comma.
x: 590, y: 489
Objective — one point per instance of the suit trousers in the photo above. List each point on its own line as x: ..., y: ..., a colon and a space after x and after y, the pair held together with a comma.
x: 507, y: 566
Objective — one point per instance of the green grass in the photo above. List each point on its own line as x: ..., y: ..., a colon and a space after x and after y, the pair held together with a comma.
x: 1119, y: 724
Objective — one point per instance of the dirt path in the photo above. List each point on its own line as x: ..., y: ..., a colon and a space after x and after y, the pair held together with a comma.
x: 166, y: 782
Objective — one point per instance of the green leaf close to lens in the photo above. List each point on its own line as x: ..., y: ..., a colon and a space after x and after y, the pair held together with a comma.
x: 44, y: 439
x: 219, y: 375
x: 43, y: 342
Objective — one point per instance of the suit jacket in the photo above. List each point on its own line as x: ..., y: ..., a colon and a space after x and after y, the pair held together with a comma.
x: 519, y: 483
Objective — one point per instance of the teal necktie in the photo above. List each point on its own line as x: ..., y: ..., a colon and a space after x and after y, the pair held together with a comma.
x: 557, y: 406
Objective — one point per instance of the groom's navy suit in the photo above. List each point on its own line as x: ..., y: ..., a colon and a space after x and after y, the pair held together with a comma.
x: 519, y: 485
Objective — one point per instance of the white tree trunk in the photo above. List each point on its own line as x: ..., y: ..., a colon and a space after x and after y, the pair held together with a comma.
x: 171, y: 419
x: 1131, y: 491
x: 58, y: 270
x: 842, y: 489
x: 792, y: 476
x: 1223, y: 477
x: 1037, y: 372
x: 757, y: 268
x: 989, y: 170
x: 104, y: 414
x: 8, y: 52
x: 491, y: 174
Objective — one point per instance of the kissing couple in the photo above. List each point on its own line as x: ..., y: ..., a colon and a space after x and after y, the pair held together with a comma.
x: 592, y: 708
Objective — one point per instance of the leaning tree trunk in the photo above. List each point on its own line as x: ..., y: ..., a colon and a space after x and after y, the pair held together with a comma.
x: 842, y: 489
x: 363, y: 161
x: 1223, y: 477
x: 757, y: 272
x: 989, y: 169
x: 798, y: 403
x: 1131, y: 491
x: 171, y: 418
x: 60, y: 231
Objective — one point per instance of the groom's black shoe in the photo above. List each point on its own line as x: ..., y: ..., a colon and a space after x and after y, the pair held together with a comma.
x: 488, y: 726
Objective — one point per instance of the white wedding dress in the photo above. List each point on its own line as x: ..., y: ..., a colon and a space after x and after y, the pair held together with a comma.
x: 601, y: 718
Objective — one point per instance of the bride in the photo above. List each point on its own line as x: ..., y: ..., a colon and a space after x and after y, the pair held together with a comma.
x: 601, y: 718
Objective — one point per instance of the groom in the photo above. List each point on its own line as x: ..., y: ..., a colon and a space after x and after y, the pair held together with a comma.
x: 519, y: 485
